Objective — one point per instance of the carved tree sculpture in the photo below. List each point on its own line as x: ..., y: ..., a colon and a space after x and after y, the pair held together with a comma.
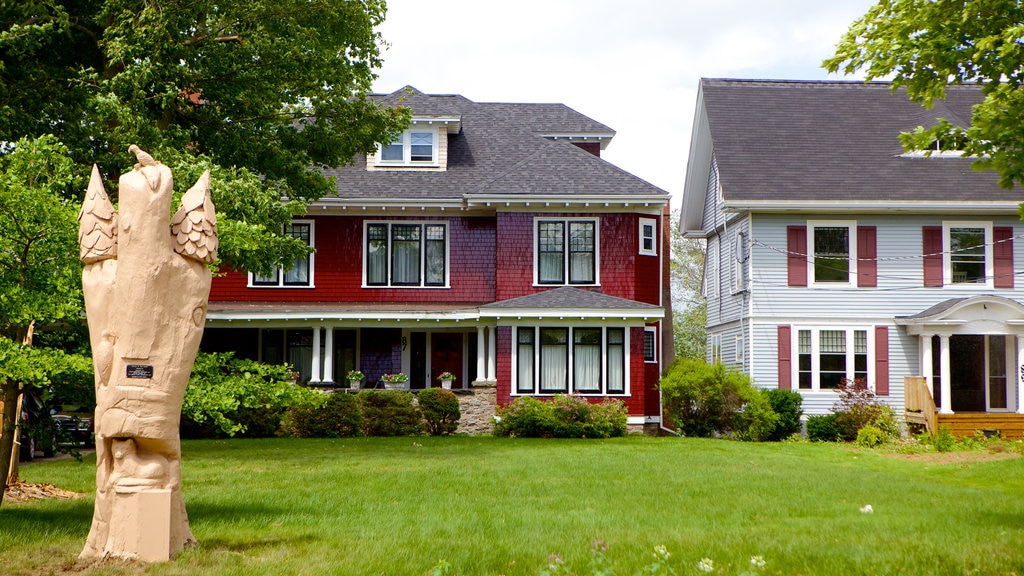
x: 146, y: 285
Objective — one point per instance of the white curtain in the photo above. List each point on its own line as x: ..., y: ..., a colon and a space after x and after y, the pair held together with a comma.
x: 587, y: 374
x: 554, y: 360
x: 616, y: 361
x: 405, y: 261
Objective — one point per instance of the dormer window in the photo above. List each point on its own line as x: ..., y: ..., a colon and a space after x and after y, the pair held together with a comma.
x: 416, y: 146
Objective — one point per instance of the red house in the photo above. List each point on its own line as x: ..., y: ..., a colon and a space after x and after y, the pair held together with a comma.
x: 491, y: 241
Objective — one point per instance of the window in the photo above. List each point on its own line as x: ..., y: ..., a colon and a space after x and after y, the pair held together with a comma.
x: 715, y: 348
x: 300, y: 273
x: 650, y: 344
x: 740, y: 350
x: 406, y: 254
x: 566, y: 251
x: 740, y: 257
x: 580, y: 360
x: 414, y: 146
x: 711, y: 270
x: 833, y: 252
x: 968, y: 253
x: 827, y: 356
x: 648, y: 237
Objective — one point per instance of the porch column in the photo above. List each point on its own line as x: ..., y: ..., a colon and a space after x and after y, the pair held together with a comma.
x: 926, y: 361
x: 314, y: 373
x: 1020, y: 374
x: 492, y: 369
x: 329, y: 354
x: 946, y: 404
x: 481, y: 353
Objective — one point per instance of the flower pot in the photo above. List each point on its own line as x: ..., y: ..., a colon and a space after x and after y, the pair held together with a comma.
x: 355, y: 383
x: 446, y: 384
x: 394, y: 385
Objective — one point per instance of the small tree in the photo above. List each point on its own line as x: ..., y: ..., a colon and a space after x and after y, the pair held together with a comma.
x: 706, y: 399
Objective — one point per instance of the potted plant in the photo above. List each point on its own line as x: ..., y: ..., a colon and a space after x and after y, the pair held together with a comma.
x: 446, y: 379
x: 355, y: 379
x: 394, y: 381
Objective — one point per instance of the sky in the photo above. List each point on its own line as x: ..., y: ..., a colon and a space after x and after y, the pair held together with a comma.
x: 633, y: 65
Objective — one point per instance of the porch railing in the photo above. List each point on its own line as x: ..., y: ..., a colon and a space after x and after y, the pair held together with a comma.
x: 920, y: 407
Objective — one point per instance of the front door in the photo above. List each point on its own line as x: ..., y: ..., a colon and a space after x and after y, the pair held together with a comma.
x: 446, y: 356
x: 979, y: 373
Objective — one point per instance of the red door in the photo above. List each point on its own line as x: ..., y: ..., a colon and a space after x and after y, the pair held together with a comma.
x: 446, y: 356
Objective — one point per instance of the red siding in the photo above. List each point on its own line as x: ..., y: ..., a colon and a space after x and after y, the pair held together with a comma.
x: 796, y: 261
x: 785, y: 358
x: 931, y: 242
x: 867, y: 254
x: 338, y: 262
x: 1002, y: 251
x: 882, y: 360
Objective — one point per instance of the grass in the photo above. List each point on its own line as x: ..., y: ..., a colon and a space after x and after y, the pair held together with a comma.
x: 491, y: 506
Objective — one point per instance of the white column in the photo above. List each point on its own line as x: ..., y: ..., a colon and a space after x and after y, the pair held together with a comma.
x: 314, y: 374
x: 1020, y: 374
x: 329, y: 354
x: 926, y: 362
x: 944, y: 371
x: 492, y: 368
x: 481, y: 354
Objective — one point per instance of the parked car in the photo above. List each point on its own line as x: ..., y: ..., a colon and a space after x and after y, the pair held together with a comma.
x: 38, y: 431
x: 76, y: 429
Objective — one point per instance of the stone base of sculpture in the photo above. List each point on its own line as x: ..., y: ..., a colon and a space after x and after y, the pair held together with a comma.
x: 146, y: 283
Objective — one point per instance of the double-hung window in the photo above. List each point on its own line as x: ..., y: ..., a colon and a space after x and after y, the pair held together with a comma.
x: 968, y: 253
x: 406, y: 254
x: 826, y: 356
x: 566, y: 251
x: 648, y: 237
x: 579, y: 360
x: 416, y: 146
x: 833, y: 253
x: 300, y: 273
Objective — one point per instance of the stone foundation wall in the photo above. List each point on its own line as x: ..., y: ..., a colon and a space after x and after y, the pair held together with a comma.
x: 478, y: 406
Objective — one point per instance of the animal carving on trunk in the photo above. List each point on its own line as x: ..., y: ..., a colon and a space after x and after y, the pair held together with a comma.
x: 146, y: 282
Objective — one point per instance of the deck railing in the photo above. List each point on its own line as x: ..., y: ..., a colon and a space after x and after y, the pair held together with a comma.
x: 920, y: 407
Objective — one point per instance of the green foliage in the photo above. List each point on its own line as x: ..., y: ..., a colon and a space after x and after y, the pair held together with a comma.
x: 231, y: 396
x: 704, y: 400
x: 926, y: 46
x: 689, y: 308
x: 858, y: 407
x: 758, y: 420
x: 337, y: 415
x: 944, y: 440
x: 564, y: 416
x: 440, y: 410
x: 390, y: 413
x: 870, y: 436
x: 785, y: 403
x: 823, y: 428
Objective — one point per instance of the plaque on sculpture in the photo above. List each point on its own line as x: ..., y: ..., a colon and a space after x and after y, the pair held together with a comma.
x: 146, y: 283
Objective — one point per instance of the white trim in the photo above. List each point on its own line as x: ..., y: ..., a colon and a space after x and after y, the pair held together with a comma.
x: 566, y: 269
x: 406, y: 139
x: 281, y: 271
x: 739, y: 350
x: 815, y: 331
x: 570, y: 384
x: 653, y: 224
x: 654, y: 331
x: 947, y: 266
x: 851, y: 278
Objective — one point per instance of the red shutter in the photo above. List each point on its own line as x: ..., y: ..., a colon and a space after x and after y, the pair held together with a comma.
x: 867, y: 254
x: 881, y: 360
x: 1002, y: 256
x: 796, y: 261
x: 931, y: 242
x: 785, y: 358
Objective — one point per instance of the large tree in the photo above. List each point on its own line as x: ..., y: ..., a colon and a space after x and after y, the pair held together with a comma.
x: 689, y: 309
x: 265, y: 92
x: 926, y: 45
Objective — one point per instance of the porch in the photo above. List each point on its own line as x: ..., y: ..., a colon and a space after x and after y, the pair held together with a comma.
x: 920, y: 411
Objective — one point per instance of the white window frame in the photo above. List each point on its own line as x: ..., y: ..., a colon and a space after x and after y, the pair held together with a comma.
x: 851, y: 226
x: 947, y: 255
x: 422, y: 279
x: 815, y: 334
x: 741, y: 255
x: 566, y: 280
x: 740, y: 350
x: 406, y: 140
x: 653, y: 331
x: 254, y: 282
x: 711, y: 270
x: 570, y: 384
x: 715, y: 348
x: 652, y: 225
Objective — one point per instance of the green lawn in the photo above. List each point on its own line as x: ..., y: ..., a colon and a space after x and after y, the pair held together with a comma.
x: 491, y: 506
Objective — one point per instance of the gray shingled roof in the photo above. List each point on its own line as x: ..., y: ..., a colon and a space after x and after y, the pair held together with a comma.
x: 500, y: 150
x: 569, y: 299
x: 833, y: 141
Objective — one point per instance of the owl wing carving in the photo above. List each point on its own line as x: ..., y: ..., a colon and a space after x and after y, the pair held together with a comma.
x: 194, y: 225
x: 97, y: 223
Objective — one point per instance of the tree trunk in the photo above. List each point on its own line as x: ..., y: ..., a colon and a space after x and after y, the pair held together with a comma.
x: 11, y: 391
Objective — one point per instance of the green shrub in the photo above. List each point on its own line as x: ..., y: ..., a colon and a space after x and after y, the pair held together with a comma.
x: 757, y: 420
x: 944, y: 440
x: 390, y: 413
x: 703, y: 399
x: 870, y: 436
x: 785, y: 403
x: 440, y: 410
x: 227, y: 396
x: 857, y: 407
x: 823, y: 428
x: 336, y: 416
x: 564, y: 416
